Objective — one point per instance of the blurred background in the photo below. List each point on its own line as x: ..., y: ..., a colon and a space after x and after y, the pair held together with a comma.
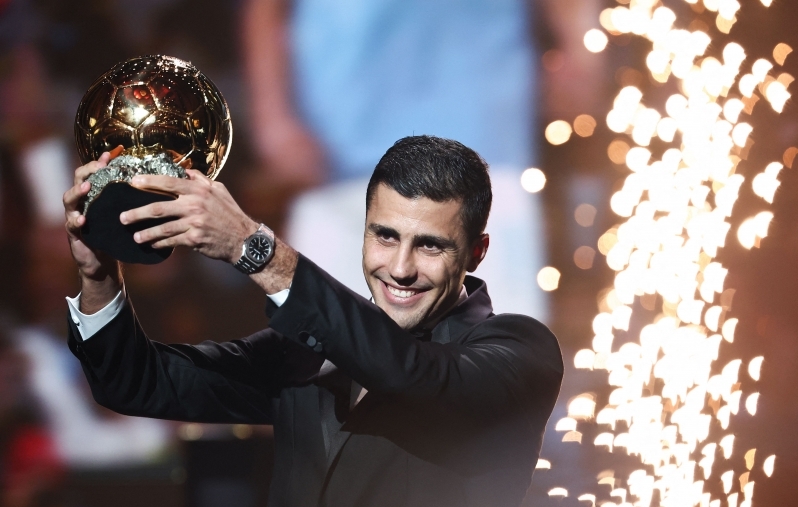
x: 318, y: 90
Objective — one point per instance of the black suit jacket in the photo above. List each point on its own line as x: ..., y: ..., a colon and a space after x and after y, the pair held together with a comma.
x: 452, y: 418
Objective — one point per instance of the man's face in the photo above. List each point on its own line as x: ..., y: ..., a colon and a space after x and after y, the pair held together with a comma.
x: 415, y: 256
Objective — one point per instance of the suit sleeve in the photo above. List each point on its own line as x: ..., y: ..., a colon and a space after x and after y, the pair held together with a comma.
x: 507, y: 362
x: 233, y: 382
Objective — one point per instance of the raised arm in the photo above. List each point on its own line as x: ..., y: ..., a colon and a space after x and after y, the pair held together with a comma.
x: 233, y: 382
x: 100, y: 275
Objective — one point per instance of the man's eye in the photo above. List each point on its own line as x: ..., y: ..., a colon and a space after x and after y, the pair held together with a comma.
x: 430, y: 247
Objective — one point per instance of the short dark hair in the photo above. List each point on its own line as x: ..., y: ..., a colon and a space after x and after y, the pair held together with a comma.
x: 440, y: 170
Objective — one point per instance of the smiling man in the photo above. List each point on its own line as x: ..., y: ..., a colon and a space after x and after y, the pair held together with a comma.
x: 422, y: 398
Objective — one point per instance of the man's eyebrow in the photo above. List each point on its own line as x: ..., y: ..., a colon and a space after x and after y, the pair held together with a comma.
x: 383, y: 230
x: 439, y: 241
x: 422, y: 239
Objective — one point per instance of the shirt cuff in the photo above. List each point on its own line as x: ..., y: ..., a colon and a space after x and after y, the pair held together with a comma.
x: 88, y: 325
x: 279, y: 298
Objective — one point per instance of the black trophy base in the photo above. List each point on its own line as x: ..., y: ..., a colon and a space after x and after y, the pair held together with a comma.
x: 104, y: 232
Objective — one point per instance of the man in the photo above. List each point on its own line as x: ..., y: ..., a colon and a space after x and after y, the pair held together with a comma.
x: 422, y: 398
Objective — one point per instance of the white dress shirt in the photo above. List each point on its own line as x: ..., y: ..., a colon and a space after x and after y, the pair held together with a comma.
x: 88, y: 325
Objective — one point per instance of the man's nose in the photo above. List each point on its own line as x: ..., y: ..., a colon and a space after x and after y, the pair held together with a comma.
x: 403, y: 266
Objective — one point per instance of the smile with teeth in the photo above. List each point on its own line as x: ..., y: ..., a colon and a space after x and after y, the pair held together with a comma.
x: 401, y: 293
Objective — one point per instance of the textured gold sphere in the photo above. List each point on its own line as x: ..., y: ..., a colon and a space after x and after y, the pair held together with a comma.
x: 156, y: 104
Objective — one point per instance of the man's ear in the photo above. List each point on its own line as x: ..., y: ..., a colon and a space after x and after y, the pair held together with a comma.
x: 478, y: 251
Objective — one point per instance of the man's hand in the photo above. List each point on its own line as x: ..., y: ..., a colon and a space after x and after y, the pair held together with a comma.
x: 207, y: 218
x: 100, y: 275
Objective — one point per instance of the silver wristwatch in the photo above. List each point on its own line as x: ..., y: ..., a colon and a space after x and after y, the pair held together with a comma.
x: 256, y: 251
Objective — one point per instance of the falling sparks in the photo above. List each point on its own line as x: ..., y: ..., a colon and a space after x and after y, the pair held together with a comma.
x: 768, y: 465
x: 751, y: 403
x: 755, y: 367
x: 754, y: 229
x: 766, y: 183
x: 582, y: 407
x: 781, y: 52
x: 671, y: 400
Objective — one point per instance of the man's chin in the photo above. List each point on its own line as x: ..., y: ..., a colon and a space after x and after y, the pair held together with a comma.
x: 410, y: 324
x: 406, y: 320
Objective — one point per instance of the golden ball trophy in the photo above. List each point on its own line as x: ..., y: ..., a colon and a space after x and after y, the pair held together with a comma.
x: 167, y: 117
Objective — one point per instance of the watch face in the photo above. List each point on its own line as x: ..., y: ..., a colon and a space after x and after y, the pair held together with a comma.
x: 259, y: 248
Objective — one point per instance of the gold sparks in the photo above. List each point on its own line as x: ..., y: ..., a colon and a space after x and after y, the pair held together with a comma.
x: 768, y: 465
x: 671, y: 400
x: 754, y: 229
x: 755, y: 368
x: 781, y: 52
x: 789, y: 156
x: 766, y: 183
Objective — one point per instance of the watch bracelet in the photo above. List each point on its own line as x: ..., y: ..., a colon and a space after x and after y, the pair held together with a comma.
x: 244, y: 264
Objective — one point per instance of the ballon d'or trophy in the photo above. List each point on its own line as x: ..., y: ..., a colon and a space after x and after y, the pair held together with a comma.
x: 166, y: 117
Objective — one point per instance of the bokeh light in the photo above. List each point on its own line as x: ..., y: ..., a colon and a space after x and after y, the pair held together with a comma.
x: 533, y: 180
x: 595, y: 40
x: 585, y: 214
x: 549, y: 278
x: 584, y: 125
x: 558, y: 132
x: 584, y: 257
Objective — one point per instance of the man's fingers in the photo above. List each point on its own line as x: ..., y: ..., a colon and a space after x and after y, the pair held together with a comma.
x: 168, y: 184
x: 74, y: 223
x: 175, y: 241
x: 74, y: 195
x: 87, y: 170
x: 195, y: 175
x: 159, y: 209
x: 162, y: 232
